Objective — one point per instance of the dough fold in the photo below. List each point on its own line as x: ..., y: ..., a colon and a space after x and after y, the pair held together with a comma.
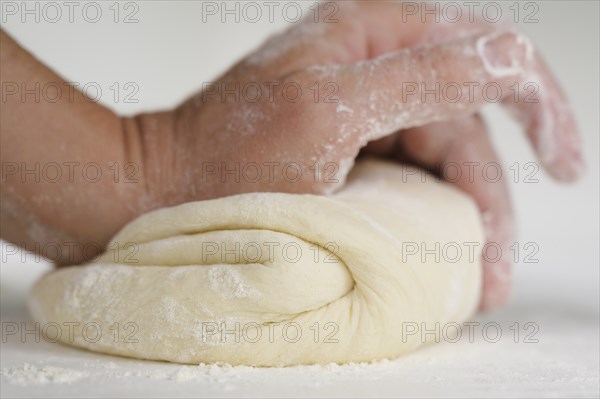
x: 271, y: 279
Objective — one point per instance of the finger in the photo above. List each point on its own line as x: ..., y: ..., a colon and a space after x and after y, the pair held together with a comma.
x: 417, y: 86
x: 462, y: 151
x: 452, y: 80
x: 539, y: 103
x: 393, y: 26
x: 365, y: 30
x: 542, y: 108
x: 347, y: 32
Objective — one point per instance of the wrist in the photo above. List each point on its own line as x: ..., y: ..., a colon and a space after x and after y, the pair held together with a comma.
x: 148, y: 141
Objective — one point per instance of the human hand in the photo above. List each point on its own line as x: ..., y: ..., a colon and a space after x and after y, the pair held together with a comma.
x: 355, y: 76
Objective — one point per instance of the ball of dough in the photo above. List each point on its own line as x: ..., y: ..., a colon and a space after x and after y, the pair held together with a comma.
x: 271, y: 279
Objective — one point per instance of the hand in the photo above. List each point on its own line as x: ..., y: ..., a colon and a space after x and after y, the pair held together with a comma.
x: 355, y: 77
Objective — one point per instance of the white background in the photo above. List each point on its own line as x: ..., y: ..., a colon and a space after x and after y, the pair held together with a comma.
x: 170, y: 52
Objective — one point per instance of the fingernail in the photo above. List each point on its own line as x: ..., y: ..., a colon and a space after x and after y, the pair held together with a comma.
x: 569, y: 171
x: 504, y: 54
x: 575, y: 162
x: 578, y: 167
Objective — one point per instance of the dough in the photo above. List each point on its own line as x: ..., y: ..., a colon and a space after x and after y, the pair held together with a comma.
x: 270, y: 279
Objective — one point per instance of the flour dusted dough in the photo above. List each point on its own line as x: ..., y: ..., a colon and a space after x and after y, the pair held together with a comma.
x: 344, y: 289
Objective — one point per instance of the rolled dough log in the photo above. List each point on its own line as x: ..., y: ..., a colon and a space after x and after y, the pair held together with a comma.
x: 272, y: 279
